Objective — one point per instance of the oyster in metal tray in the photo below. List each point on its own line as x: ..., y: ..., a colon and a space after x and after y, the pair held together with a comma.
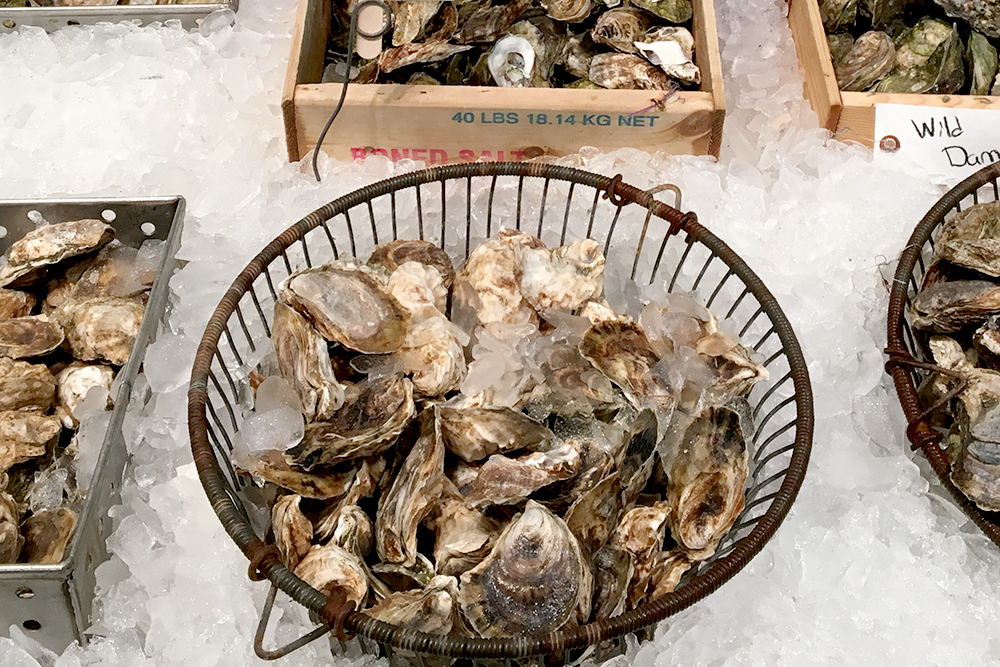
x: 69, y: 313
x: 578, y: 464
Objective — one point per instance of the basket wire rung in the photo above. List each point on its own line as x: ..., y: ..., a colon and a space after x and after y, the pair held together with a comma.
x: 265, y: 617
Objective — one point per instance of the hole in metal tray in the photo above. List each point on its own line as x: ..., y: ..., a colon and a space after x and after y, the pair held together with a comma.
x: 108, y: 215
x: 24, y: 593
x: 32, y: 624
x: 148, y: 228
x: 10, y: 25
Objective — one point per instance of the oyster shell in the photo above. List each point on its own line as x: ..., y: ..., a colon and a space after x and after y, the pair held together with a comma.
x: 670, y: 567
x: 485, y: 22
x: 840, y: 44
x: 354, y: 532
x: 432, y: 609
x: 15, y: 303
x: 705, y: 476
x: 986, y: 340
x: 29, y: 336
x: 533, y: 581
x: 838, y: 14
x: 882, y: 12
x: 46, y: 535
x: 928, y: 60
x: 982, y: 59
x: 347, y: 307
x: 10, y: 538
x: 570, y: 11
x: 330, y: 568
x: 641, y: 534
x: 565, y: 277
x: 413, y: 53
x: 675, y: 11
x: 620, y: 28
x: 511, y: 61
x: 624, y: 70
x: 104, y: 328
x: 951, y: 305
x: 410, y: 17
x: 870, y: 58
x: 75, y: 381
x: 24, y: 435
x: 419, y: 289
x: 971, y: 238
x: 638, y: 456
x: 412, y: 496
x: 363, y: 485
x: 292, y: 530
x: 545, y: 38
x: 576, y: 54
x: 613, y: 570
x: 672, y: 49
x: 594, y: 516
x: 464, y: 536
x: 476, y: 433
x: 982, y: 15
x: 487, y: 285
x: 325, y: 484
x: 304, y: 362
x: 402, y: 577
x: 434, y: 356
x: 394, y: 254
x: 25, y: 385
x: 503, y: 480
x: 374, y: 413
x: 50, y: 244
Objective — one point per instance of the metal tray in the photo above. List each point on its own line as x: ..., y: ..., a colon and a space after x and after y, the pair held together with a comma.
x: 53, y: 18
x: 52, y: 603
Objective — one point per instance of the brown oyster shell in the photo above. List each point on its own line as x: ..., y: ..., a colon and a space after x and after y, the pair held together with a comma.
x: 620, y: 28
x: 53, y: 243
x: 324, y: 484
x: 15, y: 303
x: 871, y: 57
x: 24, y: 435
x: 75, y: 381
x: 394, y: 254
x: 949, y: 306
x: 292, y: 530
x: 103, y: 328
x: 329, y: 568
x: 30, y: 336
x: 25, y: 385
x: 304, y: 362
x: 46, y: 535
x: 627, y: 71
x: 413, y: 53
x: 476, y: 433
x: 502, y: 480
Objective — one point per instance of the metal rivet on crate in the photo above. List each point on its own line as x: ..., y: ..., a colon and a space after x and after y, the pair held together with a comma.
x: 888, y: 144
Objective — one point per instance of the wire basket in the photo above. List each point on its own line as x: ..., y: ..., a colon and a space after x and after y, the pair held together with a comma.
x: 455, y: 207
x: 910, y: 364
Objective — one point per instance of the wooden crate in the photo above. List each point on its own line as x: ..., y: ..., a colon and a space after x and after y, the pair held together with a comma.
x: 448, y: 124
x: 851, y: 115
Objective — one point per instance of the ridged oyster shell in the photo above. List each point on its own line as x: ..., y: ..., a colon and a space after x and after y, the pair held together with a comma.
x: 53, y: 243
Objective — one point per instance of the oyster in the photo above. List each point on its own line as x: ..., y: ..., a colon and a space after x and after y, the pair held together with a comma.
x: 672, y: 49
x: 104, y: 328
x: 641, y: 534
x: 374, y: 413
x: 487, y: 285
x: 46, y: 535
x: 572, y: 385
x: 705, y: 476
x: 10, y: 538
x: 624, y: 70
x: 394, y: 254
x: 30, y: 336
x: 412, y: 495
x: 951, y: 305
x: 50, y: 244
x: 675, y: 11
x: 511, y: 61
x: 928, y: 60
x: 24, y: 435
x: 882, y: 12
x: 410, y: 17
x: 576, y: 54
x: 25, y: 385
x: 292, y: 530
x: 545, y: 38
x: 840, y: 44
x: 622, y: 352
x: 273, y: 467
x: 330, y: 568
x: 354, y: 532
x: 594, y: 516
x: 419, y: 289
x: 838, y: 14
x: 982, y: 15
x: 432, y: 609
x: 971, y: 238
x: 363, y: 485
x: 443, y: 24
x: 304, y: 362
x: 570, y: 11
x: 503, y: 480
x: 75, y: 381
x: 870, y: 58
x: 563, y: 278
x: 486, y: 22
x: 667, y: 572
x: 533, y: 582
x: 464, y: 536
x: 117, y: 270
x: 476, y: 433
x: 347, y: 307
x: 15, y: 303
x: 434, y: 356
x: 620, y: 28
x: 987, y: 342
x: 982, y: 59
x: 613, y: 570
x: 638, y: 457
x: 412, y: 53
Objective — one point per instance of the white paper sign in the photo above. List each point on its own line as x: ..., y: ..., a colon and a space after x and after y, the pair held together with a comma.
x: 938, y: 140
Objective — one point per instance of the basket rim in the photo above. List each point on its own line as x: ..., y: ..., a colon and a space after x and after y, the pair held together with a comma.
x: 559, y: 641
x: 919, y: 431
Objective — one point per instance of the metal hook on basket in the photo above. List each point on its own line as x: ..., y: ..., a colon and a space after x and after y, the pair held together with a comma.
x: 667, y: 186
x: 898, y: 357
x: 352, y: 38
x: 265, y: 616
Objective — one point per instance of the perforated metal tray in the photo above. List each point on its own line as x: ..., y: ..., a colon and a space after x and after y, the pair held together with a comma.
x: 53, y: 18
x: 52, y: 603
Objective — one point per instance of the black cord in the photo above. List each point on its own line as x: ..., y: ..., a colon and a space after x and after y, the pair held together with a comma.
x: 352, y: 37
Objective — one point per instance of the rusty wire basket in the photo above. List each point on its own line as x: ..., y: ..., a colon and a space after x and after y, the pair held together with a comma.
x: 910, y: 364
x: 455, y: 207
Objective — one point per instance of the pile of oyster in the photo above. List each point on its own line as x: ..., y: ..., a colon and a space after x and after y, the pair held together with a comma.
x: 957, y: 314
x: 497, y: 451
x: 914, y: 46
x: 640, y: 44
x: 71, y: 300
